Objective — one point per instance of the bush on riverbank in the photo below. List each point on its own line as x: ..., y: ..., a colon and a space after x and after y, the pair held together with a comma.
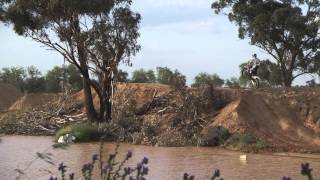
x: 245, y: 141
x: 82, y: 132
x: 216, y: 136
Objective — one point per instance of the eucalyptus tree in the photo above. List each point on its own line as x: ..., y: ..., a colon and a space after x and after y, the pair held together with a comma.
x: 95, y: 36
x: 288, y: 30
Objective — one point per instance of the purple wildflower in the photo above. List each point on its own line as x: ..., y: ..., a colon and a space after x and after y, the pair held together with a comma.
x: 286, y: 178
x: 145, y: 160
x: 106, y: 168
x: 129, y: 155
x: 62, y: 167
x: 53, y: 178
x: 90, y: 166
x: 84, y: 167
x: 87, y: 167
x: 216, y: 173
x: 139, y: 166
x: 191, y: 178
x: 127, y: 170
x: 185, y: 176
x: 131, y: 178
x: 95, y: 157
x: 71, y: 176
x: 143, y: 178
x: 145, y: 170
x: 305, y: 169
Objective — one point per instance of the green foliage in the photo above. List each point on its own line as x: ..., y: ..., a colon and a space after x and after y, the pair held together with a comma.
x: 121, y: 76
x: 14, y: 76
x: 31, y: 80
x: 168, y: 77
x: 164, y: 75
x: 269, y: 73
x: 25, y: 79
x: 82, y: 132
x: 34, y: 81
x: 207, y: 79
x: 286, y: 30
x: 233, y: 83
x: 74, y: 77
x: 95, y: 36
x: 57, y: 75
x: 142, y: 76
x: 216, y: 136
x: 241, y: 141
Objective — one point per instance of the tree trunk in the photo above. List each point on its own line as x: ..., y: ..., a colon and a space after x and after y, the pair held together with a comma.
x: 90, y: 111
x: 105, y: 96
x: 286, y: 78
x: 287, y: 83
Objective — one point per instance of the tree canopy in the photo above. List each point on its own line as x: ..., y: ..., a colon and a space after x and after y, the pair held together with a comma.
x: 67, y: 74
x: 121, y: 76
x: 207, y: 79
x: 95, y: 36
x: 169, y: 77
x: 143, y: 76
x: 287, y: 30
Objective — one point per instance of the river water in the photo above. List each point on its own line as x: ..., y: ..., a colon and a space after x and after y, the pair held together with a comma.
x: 18, y: 153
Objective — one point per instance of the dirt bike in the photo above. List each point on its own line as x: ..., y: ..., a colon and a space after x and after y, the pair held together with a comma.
x: 254, y: 80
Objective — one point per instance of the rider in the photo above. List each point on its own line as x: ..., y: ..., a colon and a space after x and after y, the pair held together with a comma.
x: 253, y: 65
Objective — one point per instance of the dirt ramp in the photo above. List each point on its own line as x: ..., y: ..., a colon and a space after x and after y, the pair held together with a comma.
x: 8, y: 95
x: 269, y: 118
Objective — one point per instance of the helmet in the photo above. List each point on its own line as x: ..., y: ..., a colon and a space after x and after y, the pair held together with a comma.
x: 254, y: 55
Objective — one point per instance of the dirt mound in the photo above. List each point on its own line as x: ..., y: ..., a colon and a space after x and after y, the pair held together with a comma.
x: 142, y: 93
x: 273, y: 117
x: 31, y: 101
x: 8, y: 95
x: 288, y: 120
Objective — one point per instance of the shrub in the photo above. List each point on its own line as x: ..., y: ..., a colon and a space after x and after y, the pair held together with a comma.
x: 216, y: 136
x: 239, y: 140
x: 82, y: 132
x: 172, y: 78
x: 212, y: 80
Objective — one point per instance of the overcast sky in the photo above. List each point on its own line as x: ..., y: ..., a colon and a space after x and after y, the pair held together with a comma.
x: 180, y: 34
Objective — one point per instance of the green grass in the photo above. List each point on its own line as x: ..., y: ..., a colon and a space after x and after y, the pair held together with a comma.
x: 82, y: 132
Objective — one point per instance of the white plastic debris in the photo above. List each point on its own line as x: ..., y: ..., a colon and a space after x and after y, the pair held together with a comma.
x: 66, y: 139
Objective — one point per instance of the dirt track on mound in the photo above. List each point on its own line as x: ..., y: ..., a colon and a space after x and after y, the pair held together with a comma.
x: 270, y: 117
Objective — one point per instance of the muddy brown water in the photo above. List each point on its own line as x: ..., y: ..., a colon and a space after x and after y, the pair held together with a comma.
x: 19, y: 153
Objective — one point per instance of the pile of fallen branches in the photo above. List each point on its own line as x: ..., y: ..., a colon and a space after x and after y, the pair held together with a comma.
x: 175, y: 118
x: 43, y: 120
